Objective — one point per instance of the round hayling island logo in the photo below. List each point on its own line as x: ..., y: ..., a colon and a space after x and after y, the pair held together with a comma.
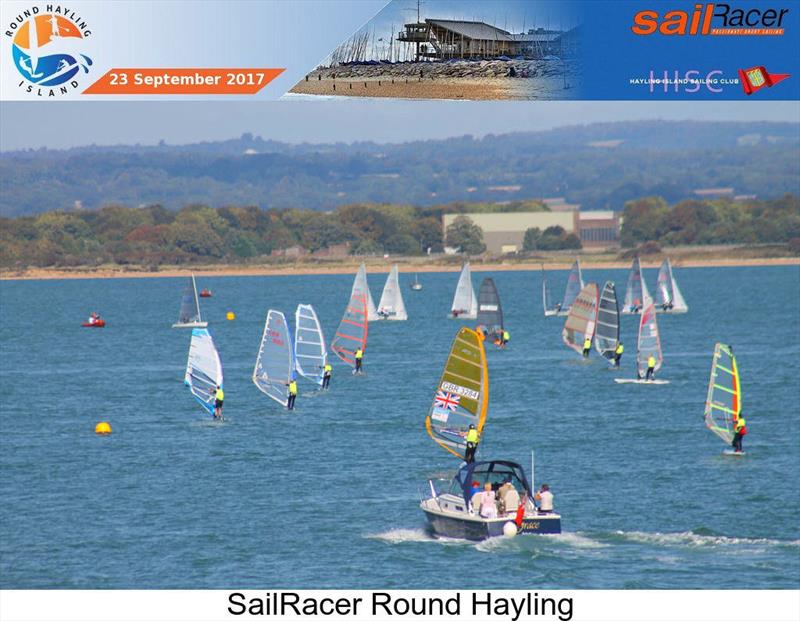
x: 47, y: 48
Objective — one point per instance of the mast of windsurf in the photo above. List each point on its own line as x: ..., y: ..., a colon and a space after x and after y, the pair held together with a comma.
x: 724, y: 397
x: 310, y: 354
x: 203, y: 369
x: 574, y: 286
x: 490, y: 311
x: 607, y: 333
x: 275, y: 365
x: 352, y: 331
x: 582, y: 319
x: 649, y: 342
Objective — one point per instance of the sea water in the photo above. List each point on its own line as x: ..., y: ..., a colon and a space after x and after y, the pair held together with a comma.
x: 328, y: 495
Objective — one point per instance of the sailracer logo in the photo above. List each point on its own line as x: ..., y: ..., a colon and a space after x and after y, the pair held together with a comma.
x: 47, y: 46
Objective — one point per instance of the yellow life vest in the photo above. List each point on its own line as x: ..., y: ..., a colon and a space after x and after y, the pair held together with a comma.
x: 651, y: 362
x: 292, y: 387
x: 620, y: 349
x: 587, y: 343
x: 359, y: 354
x: 740, y: 424
x: 219, y: 395
x: 328, y: 368
x: 472, y: 436
x: 506, y: 335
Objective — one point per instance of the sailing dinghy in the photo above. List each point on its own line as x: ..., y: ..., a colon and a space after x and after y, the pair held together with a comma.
x: 724, y: 398
x: 582, y: 319
x: 275, y: 361
x: 606, y: 337
x: 416, y: 285
x: 461, y: 398
x: 391, y: 305
x: 636, y: 291
x: 189, y: 316
x: 649, y: 344
x: 465, y: 302
x: 574, y: 287
x: 352, y: 331
x: 203, y: 369
x: 490, y: 311
x: 310, y: 355
x: 550, y: 309
x: 360, y: 286
x: 669, y: 298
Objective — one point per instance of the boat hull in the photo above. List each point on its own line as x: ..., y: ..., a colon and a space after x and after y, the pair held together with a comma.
x: 475, y: 528
x: 96, y: 324
x: 195, y: 324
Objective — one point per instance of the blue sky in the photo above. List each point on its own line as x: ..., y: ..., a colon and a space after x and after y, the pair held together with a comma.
x: 26, y: 125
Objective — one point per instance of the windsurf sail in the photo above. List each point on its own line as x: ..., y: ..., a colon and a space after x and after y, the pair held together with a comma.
x: 189, y: 315
x: 574, y: 287
x: 465, y: 302
x: 668, y: 295
x: 490, y: 312
x: 275, y: 362
x: 391, y: 305
x: 582, y: 319
x: 310, y: 354
x: 352, y: 331
x: 547, y: 301
x: 360, y: 286
x: 461, y: 397
x: 607, y: 332
x: 636, y: 291
x: 724, y: 400
x: 649, y: 340
x: 203, y: 369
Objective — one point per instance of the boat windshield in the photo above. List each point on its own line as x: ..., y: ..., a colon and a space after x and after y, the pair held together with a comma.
x: 494, y: 472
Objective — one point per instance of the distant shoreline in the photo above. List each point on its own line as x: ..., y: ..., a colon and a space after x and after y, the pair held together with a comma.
x: 406, y: 265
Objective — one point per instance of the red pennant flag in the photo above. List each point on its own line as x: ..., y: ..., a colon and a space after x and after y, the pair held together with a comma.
x: 756, y: 78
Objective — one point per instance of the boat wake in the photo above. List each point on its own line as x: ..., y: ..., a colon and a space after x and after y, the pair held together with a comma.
x: 701, y: 539
x: 413, y: 535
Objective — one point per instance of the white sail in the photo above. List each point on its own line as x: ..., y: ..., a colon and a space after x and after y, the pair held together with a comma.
x: 203, y: 369
x: 574, y: 287
x: 360, y: 285
x: 391, y: 305
x: 465, y: 302
x: 275, y: 361
x: 636, y: 291
x: 649, y: 340
x: 550, y: 309
x: 668, y: 294
x: 189, y: 315
x: 310, y: 354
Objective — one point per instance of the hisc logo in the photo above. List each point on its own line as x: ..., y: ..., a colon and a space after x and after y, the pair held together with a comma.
x: 710, y: 19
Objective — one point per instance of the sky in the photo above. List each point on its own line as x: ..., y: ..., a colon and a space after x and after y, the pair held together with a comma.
x: 32, y: 125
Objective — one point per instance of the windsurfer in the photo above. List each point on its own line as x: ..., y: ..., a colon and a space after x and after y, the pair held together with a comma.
x: 651, y: 368
x: 292, y: 394
x: 587, y: 347
x: 358, y: 356
x: 618, y: 353
x: 219, y: 397
x: 326, y: 375
x: 740, y: 430
x: 545, y: 499
x: 472, y: 444
x: 505, y: 338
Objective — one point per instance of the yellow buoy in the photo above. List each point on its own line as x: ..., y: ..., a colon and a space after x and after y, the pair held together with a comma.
x: 102, y: 428
x: 231, y: 316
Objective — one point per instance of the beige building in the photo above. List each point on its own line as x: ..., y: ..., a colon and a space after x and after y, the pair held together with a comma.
x: 504, y: 232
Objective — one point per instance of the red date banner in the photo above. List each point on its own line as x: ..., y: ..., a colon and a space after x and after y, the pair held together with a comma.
x: 183, y: 81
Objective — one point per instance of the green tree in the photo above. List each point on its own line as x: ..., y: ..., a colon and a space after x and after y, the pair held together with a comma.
x: 465, y: 234
x: 531, y: 238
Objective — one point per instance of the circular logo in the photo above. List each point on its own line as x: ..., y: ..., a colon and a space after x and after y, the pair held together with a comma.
x: 47, y: 50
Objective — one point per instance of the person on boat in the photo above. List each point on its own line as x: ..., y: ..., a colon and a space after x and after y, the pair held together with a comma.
x: 219, y: 397
x: 651, y: 368
x: 637, y: 306
x: 292, y: 394
x: 587, y: 346
x: 505, y: 338
x: 618, y: 353
x: 94, y: 318
x: 488, y: 502
x: 545, y: 499
x: 456, y: 312
x: 740, y: 430
x: 383, y: 313
x: 358, y: 356
x: 326, y: 375
x: 472, y: 444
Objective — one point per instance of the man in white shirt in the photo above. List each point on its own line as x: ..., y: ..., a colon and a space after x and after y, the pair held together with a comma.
x: 545, y: 498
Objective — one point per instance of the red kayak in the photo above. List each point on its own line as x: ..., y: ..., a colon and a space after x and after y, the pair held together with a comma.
x: 97, y: 324
x: 205, y: 293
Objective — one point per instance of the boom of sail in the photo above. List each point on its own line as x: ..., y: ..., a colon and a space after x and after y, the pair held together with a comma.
x: 461, y: 397
x: 360, y: 286
x: 189, y: 315
x: 636, y: 292
x: 391, y: 305
x: 310, y: 354
x: 574, y: 287
x: 490, y: 312
x: 724, y: 399
x: 465, y: 302
x: 275, y: 361
x: 649, y: 341
x: 582, y: 319
x: 668, y: 296
x: 607, y: 332
x: 203, y: 369
x: 352, y: 331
